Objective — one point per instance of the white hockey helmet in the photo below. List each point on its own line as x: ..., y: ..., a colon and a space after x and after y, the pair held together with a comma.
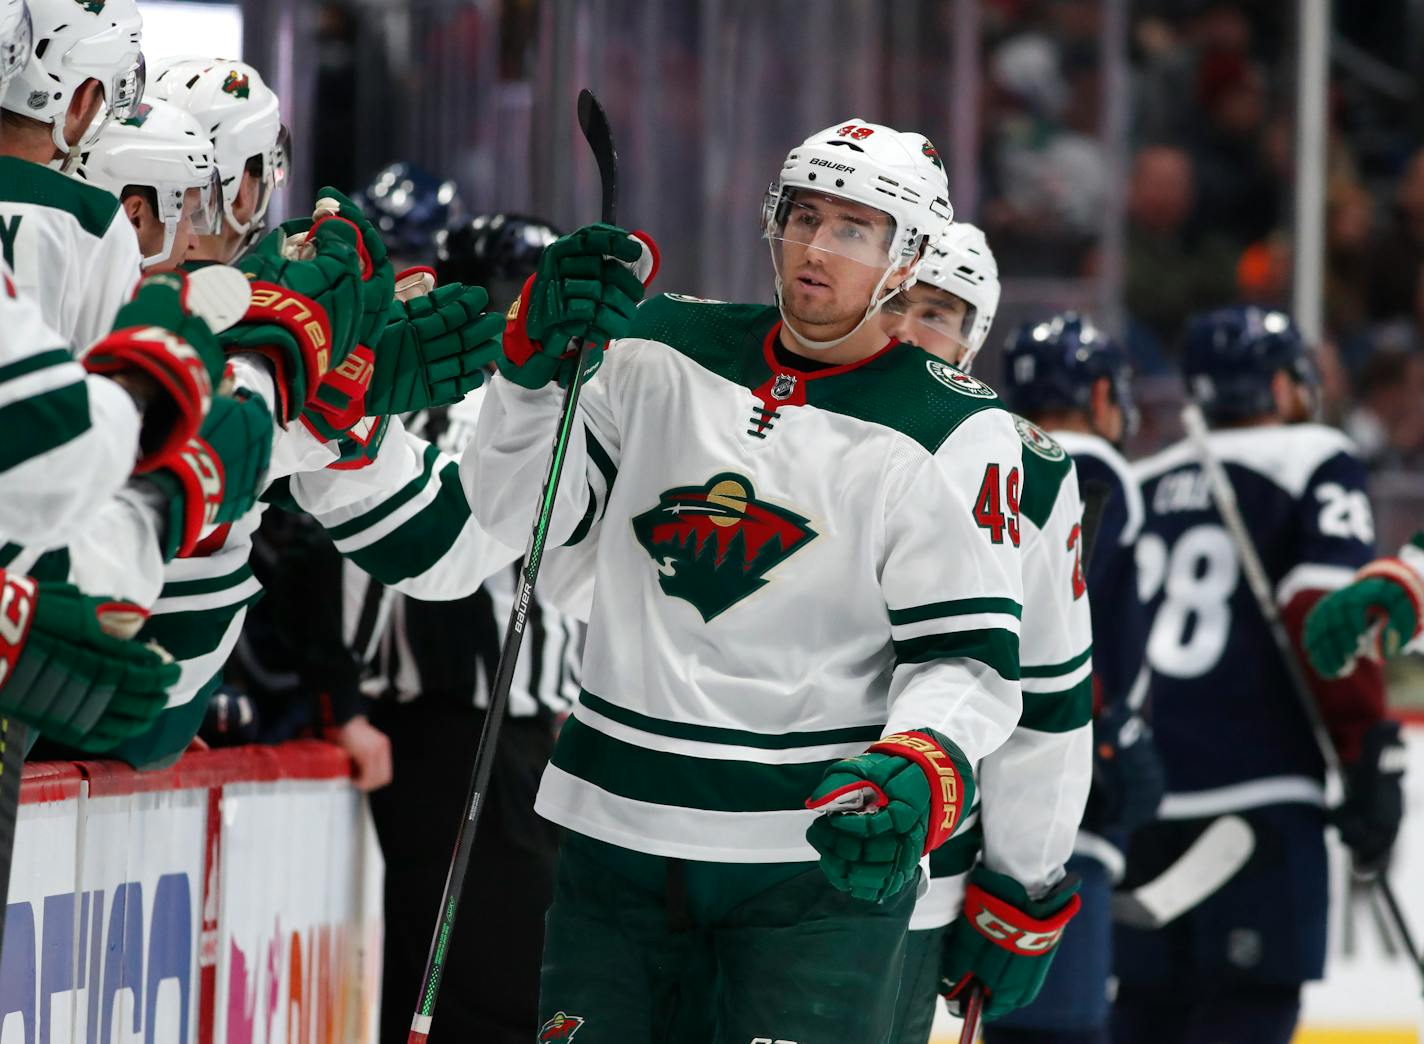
x: 15, y: 42
x: 240, y: 114
x: 75, y: 41
x: 161, y: 147
x: 896, y: 172
x: 959, y: 261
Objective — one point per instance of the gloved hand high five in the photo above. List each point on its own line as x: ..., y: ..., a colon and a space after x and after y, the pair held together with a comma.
x: 172, y: 357
x: 588, y: 285
x: 217, y: 477
x: 62, y: 673
x: 1004, y: 941
x: 1388, y: 592
x: 308, y: 301
x: 434, y: 350
x: 887, y: 808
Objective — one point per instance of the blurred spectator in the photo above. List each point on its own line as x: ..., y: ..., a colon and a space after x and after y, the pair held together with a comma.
x: 1173, y: 267
x: 1239, y: 195
x: 1387, y: 423
x: 1396, y: 259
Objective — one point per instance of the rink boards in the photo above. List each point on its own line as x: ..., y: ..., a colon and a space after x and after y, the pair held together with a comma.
x: 232, y: 899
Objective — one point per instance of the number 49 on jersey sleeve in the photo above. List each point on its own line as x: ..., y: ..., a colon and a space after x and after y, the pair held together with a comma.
x: 989, y: 513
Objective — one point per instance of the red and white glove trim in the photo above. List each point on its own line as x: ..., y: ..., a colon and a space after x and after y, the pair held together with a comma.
x: 308, y: 324
x: 18, y: 594
x: 646, y: 267
x: 1008, y: 927
x: 946, y: 784
x: 200, y: 472
x: 368, y: 268
x: 1399, y: 572
x: 178, y: 370
x: 353, y: 379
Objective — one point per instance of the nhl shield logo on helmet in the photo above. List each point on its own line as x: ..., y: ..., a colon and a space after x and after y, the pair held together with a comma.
x: 712, y: 544
x: 560, y: 1027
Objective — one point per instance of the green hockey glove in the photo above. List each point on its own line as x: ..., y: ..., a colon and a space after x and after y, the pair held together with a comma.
x: 1386, y: 592
x: 588, y: 285
x: 306, y: 311
x: 61, y: 673
x: 887, y: 808
x: 1004, y: 941
x: 157, y: 338
x: 434, y: 350
x: 217, y: 477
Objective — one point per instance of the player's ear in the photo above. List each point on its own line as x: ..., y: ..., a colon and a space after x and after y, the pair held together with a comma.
x: 134, y: 207
x: 84, y: 105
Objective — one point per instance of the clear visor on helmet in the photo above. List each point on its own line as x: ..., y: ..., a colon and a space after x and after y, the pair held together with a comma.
x: 933, y: 319
x: 15, y: 53
x: 122, y: 98
x: 205, y: 202
x: 807, y: 226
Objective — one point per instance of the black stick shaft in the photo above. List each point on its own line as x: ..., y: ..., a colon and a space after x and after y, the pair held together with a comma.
x: 595, y: 127
x: 14, y: 737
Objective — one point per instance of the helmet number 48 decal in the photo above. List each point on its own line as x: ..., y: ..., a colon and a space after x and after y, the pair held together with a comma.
x: 989, y: 505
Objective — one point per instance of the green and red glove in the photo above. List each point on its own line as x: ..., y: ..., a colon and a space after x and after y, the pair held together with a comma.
x: 219, y: 474
x: 588, y: 286
x: 308, y: 299
x: 63, y: 674
x: 159, y: 342
x: 1388, y: 592
x: 434, y: 350
x: 1004, y: 941
x: 887, y: 808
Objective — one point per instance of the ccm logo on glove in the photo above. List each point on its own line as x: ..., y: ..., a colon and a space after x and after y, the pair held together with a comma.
x: 17, y: 609
x: 1013, y: 929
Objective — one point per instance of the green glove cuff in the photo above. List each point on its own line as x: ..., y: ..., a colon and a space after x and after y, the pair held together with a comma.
x: 1005, y: 941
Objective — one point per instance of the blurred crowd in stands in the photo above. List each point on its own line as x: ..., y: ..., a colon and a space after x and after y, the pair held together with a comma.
x: 1208, y: 184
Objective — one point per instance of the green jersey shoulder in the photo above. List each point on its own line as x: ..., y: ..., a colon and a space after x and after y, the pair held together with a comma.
x: 902, y: 387
x: 1045, y: 465
x: 91, y: 207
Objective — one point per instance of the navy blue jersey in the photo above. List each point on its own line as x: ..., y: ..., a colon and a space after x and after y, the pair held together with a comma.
x: 1112, y: 520
x: 1229, y: 726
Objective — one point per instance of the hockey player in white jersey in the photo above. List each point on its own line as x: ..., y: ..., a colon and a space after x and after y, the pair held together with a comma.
x: 70, y: 247
x: 1227, y: 718
x: 789, y: 569
x: 159, y: 163
x: 1032, y: 789
x: 59, y: 670
x: 241, y: 113
x: 1068, y: 376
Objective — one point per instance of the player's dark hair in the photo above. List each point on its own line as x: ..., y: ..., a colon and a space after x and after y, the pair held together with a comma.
x: 143, y: 192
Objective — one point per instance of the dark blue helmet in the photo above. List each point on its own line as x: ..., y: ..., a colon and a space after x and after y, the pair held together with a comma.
x: 409, y: 206
x: 1230, y: 355
x: 1053, y: 366
x: 495, y: 251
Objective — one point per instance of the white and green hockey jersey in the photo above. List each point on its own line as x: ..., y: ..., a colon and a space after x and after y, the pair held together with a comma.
x: 1033, y: 789
x: 790, y: 564
x: 68, y: 439
x: 72, y: 248
x: 74, y: 255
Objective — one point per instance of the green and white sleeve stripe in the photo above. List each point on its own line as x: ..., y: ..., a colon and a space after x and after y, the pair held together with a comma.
x: 1058, y: 697
x: 687, y: 790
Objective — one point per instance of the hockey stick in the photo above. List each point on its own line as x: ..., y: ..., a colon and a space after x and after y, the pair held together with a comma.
x: 596, y: 131
x: 1212, y: 859
x: 1224, y: 496
x: 973, y: 1007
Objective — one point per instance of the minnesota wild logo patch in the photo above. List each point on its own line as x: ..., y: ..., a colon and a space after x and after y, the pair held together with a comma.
x: 1035, y: 439
x: 560, y: 1027
x: 713, y: 544
x: 239, y: 85
x: 958, y: 380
